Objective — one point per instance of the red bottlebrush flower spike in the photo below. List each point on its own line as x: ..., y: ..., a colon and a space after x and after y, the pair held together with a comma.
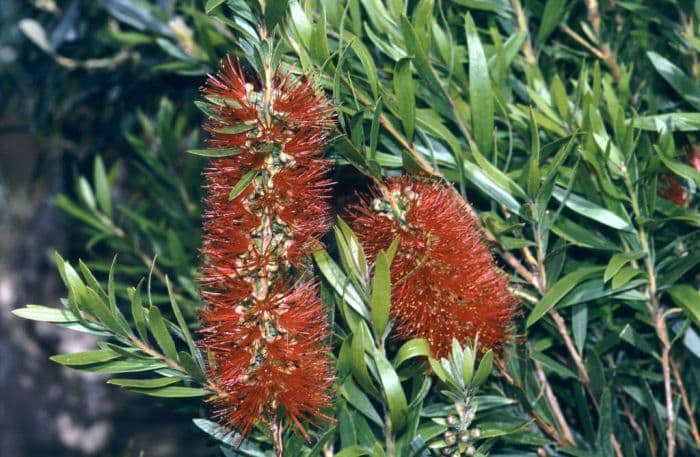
x: 445, y: 282
x: 673, y: 191
x: 265, y: 328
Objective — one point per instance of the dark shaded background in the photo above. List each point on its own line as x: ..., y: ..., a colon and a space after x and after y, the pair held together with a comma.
x: 53, y: 120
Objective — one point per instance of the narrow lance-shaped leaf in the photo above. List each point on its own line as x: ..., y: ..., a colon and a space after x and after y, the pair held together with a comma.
x: 393, y: 392
x: 559, y: 290
x: 484, y: 369
x: 160, y: 332
x: 102, y: 187
x: 137, y: 311
x: 77, y: 359
x: 480, y: 93
x: 404, y: 90
x: 151, y: 383
x: 684, y: 85
x: 381, y: 294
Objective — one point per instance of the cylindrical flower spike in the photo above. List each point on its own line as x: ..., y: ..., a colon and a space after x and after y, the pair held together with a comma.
x: 445, y: 282
x: 265, y: 328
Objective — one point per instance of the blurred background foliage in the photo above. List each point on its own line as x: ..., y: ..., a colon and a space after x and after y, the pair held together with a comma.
x: 570, y: 125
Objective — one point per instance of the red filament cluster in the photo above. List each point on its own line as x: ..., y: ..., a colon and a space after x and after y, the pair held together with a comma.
x: 445, y: 282
x: 265, y: 328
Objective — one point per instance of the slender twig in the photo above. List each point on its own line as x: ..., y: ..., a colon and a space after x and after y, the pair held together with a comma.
x: 554, y: 403
x: 389, y: 435
x: 657, y: 315
x: 594, y: 16
x: 617, y: 449
x: 545, y: 426
x: 686, y: 403
x: 608, y: 55
x: 529, y: 258
x: 277, y: 437
x: 521, y: 20
x: 573, y: 352
x: 630, y: 417
x: 148, y: 350
x: 582, y: 41
x: 524, y: 295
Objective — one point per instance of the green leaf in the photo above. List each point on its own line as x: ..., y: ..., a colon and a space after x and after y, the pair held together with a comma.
x: 405, y: 92
x: 137, y: 311
x: 337, y: 279
x: 679, y: 168
x: 174, y: 392
x: 533, y: 168
x: 484, y: 369
x: 618, y: 261
x: 673, y: 122
x: 483, y: 182
x: 124, y: 366
x: 156, y: 324
x: 214, y: 152
x: 374, y: 130
x: 381, y: 294
x: 553, y: 365
x: 151, y: 383
x: 301, y: 23
x: 93, y: 303
x: 688, y: 298
x: 274, y: 12
x: 559, y: 290
x: 74, y: 210
x: 352, y: 451
x: 561, y: 100
x: 592, y: 211
x: 421, y: 62
x: 413, y: 348
x: 357, y: 398
x: 467, y: 365
x: 393, y: 392
x: 358, y: 361
x: 319, y: 39
x: 581, y: 236
x: 191, y: 366
x: 497, y: 176
x: 180, y: 318
x: 439, y: 371
x: 480, y: 93
x: 45, y: 314
x: 85, y: 358
x: 211, y: 5
x: 579, y: 324
x: 235, y: 129
x: 102, y: 187
x: 351, y: 248
x: 368, y: 65
x: 492, y: 432
x: 686, y: 87
x: 624, y: 276
x: 85, y: 193
x: 551, y: 18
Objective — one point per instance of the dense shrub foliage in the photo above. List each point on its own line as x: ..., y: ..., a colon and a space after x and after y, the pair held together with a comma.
x: 569, y: 127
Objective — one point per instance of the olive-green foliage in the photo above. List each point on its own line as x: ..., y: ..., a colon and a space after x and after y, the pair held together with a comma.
x: 562, y: 122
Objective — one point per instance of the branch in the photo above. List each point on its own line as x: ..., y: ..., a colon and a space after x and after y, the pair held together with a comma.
x: 554, y: 403
x: 520, y: 19
x: 686, y: 403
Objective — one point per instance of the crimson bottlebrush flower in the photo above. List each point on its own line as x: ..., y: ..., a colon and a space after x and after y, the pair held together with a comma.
x: 264, y: 326
x: 445, y: 282
x: 673, y: 191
